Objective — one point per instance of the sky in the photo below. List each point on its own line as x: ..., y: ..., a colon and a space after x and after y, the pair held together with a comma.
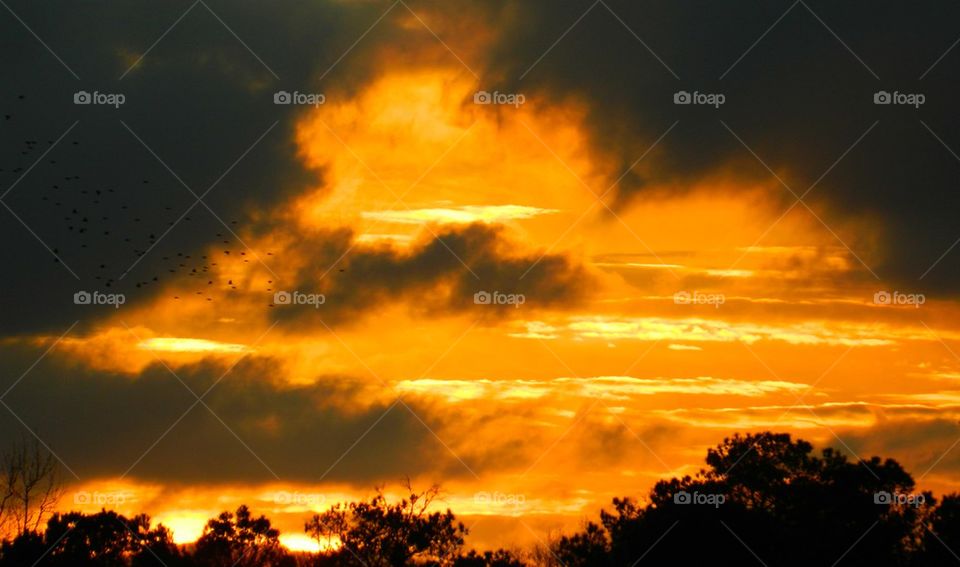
x: 543, y: 254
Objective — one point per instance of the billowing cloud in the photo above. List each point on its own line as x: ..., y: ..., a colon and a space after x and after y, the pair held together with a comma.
x: 799, y: 83
x: 248, y: 428
x: 444, y: 272
x: 112, y: 205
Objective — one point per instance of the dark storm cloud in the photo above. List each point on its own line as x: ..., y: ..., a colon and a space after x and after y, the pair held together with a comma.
x: 798, y: 98
x: 442, y: 273
x: 201, y: 98
x: 101, y: 424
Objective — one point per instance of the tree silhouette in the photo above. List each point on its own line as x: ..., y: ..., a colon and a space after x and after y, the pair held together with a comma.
x: 763, y: 496
x: 25, y: 549
x: 941, y: 534
x: 104, y: 539
x: 241, y: 541
x: 379, y: 534
x: 29, y: 485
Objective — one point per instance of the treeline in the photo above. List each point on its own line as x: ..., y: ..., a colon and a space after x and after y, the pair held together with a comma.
x: 369, y: 533
x: 762, y: 499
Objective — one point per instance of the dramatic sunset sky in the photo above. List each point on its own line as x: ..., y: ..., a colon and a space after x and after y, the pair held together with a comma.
x: 787, y: 214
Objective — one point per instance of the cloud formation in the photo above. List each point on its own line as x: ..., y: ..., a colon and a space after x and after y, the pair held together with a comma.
x: 250, y: 427
x: 441, y: 273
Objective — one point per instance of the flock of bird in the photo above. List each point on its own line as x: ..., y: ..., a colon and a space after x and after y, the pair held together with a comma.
x: 102, y: 227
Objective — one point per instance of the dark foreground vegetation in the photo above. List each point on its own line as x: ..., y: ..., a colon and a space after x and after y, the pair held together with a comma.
x: 761, y: 500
